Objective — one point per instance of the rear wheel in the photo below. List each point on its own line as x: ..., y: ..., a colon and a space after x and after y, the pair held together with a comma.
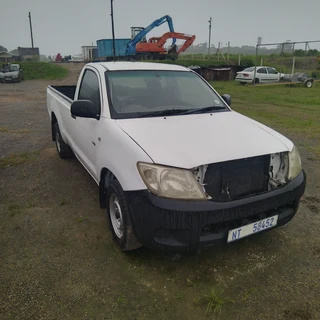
x: 309, y: 84
x: 119, y: 218
x: 243, y: 83
x: 256, y: 80
x: 63, y: 149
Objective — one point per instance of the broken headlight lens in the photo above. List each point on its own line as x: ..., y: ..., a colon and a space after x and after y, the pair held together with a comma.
x: 171, y: 182
x: 294, y: 163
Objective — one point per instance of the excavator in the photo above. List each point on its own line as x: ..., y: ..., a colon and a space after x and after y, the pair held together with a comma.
x: 154, y: 48
x: 138, y: 34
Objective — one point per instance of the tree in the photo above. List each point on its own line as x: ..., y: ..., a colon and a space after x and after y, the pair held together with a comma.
x: 3, y: 49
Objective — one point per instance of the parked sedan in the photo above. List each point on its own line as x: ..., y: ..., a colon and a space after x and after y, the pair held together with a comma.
x: 263, y: 75
x: 11, y: 73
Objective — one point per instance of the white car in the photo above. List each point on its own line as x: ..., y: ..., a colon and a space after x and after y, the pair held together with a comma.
x: 263, y: 75
x: 177, y: 168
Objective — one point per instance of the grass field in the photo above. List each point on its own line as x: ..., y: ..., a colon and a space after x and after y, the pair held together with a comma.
x: 290, y: 110
x: 43, y: 70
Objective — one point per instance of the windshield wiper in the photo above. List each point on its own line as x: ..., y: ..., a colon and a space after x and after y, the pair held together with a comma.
x: 162, y: 113
x: 204, y: 110
x: 170, y: 112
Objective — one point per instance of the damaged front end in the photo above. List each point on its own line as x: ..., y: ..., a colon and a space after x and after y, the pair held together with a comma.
x: 241, y: 178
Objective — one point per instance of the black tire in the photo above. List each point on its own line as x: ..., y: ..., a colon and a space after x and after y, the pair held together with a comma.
x: 64, y: 151
x: 243, y: 83
x: 127, y: 240
x: 309, y: 84
x: 256, y: 81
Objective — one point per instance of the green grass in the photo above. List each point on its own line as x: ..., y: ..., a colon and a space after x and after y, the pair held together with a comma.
x: 17, y: 159
x: 43, y: 70
x: 4, y: 129
x: 290, y: 110
x: 215, y: 301
x: 7, y: 130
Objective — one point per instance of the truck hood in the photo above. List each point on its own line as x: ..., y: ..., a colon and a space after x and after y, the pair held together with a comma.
x: 192, y: 140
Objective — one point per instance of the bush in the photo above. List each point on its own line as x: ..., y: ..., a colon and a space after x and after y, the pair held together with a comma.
x: 246, y: 62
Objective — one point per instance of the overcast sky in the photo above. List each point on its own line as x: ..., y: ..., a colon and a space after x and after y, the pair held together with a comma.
x: 65, y: 25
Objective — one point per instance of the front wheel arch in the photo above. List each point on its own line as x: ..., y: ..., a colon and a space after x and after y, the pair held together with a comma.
x: 106, y: 177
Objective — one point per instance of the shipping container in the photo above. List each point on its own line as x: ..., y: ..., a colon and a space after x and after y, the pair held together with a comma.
x: 105, y: 47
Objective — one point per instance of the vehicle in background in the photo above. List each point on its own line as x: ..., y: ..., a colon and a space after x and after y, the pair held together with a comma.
x: 11, y: 73
x: 177, y: 168
x: 298, y: 78
x: 263, y: 75
x: 138, y: 35
x: 154, y: 48
x: 76, y: 59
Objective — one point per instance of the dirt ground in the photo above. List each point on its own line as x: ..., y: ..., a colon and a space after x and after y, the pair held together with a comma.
x: 58, y: 261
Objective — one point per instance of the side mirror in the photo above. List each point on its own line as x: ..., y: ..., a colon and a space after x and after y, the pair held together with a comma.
x: 227, y: 99
x: 84, y: 109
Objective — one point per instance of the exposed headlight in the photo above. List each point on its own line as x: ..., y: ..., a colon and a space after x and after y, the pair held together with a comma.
x: 171, y: 182
x: 294, y: 163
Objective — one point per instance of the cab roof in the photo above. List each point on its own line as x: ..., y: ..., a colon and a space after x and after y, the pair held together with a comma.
x: 127, y: 65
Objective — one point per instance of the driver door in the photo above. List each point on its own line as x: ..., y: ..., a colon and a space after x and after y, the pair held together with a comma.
x: 84, y: 130
x: 273, y: 75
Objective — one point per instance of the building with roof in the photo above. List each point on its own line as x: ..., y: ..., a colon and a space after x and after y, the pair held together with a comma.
x: 8, y: 57
x: 29, y: 54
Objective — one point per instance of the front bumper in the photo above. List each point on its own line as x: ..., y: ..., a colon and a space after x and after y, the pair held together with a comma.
x: 189, y: 226
x: 10, y: 79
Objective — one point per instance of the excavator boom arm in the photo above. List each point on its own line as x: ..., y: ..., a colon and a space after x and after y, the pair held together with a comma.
x: 189, y: 40
x: 130, y: 48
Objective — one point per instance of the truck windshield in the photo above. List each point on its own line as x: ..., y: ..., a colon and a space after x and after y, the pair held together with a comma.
x: 151, y: 93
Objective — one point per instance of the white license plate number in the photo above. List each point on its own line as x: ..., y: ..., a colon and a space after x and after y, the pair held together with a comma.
x: 252, y: 228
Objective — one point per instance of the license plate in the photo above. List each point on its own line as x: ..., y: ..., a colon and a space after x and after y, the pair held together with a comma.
x: 252, y: 228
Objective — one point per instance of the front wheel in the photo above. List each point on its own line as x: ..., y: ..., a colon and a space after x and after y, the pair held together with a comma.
x: 119, y: 218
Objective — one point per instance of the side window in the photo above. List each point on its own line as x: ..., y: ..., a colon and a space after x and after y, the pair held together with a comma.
x: 262, y: 70
x: 272, y: 71
x: 89, y: 89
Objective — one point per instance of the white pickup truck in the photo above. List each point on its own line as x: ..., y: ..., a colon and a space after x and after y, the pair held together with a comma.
x: 177, y: 168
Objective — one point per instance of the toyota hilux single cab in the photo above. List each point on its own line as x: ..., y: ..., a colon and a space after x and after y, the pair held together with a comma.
x: 177, y: 168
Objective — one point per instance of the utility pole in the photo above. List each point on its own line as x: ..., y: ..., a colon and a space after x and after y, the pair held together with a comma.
x: 228, y: 50
x: 209, y: 37
x: 31, y: 29
x: 113, y: 38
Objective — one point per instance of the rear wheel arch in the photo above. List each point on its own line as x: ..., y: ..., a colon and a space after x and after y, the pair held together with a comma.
x: 53, y: 122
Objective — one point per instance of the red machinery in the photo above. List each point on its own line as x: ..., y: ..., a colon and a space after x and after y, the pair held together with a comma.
x: 155, y: 45
x: 58, y: 58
